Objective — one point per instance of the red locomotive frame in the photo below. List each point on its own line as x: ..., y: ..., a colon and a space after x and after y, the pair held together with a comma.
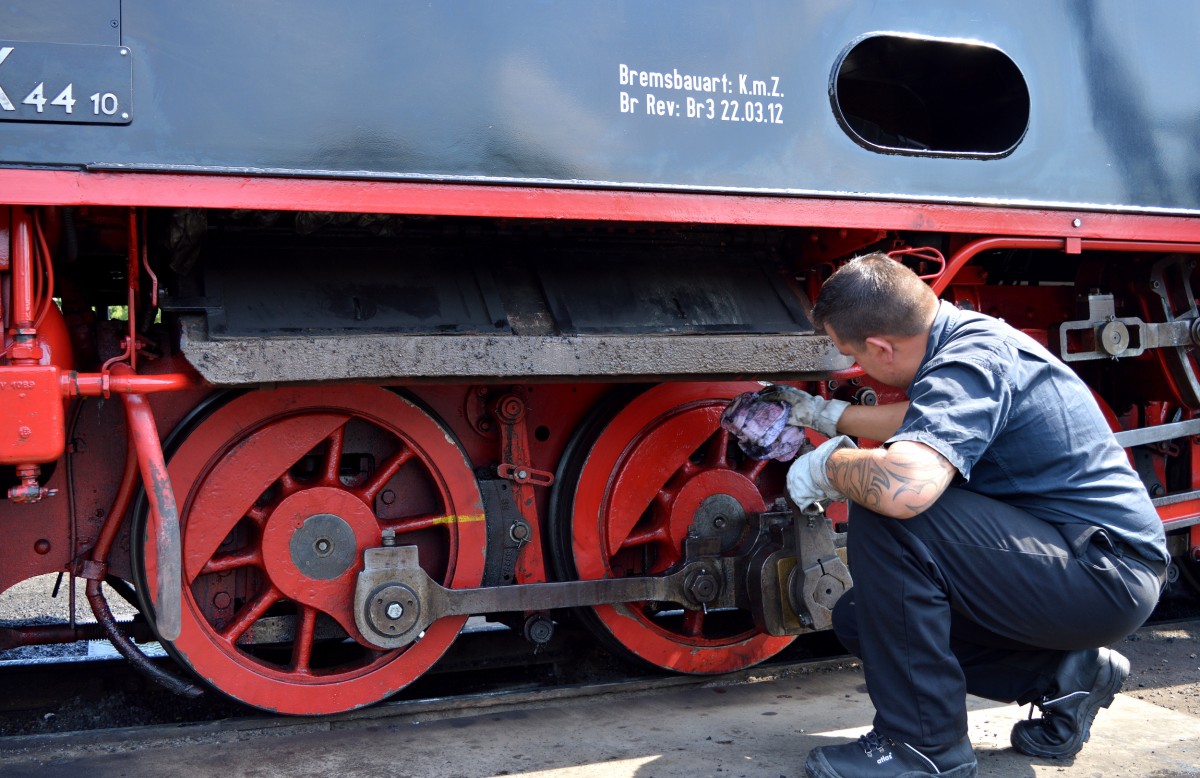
x: 308, y: 362
x: 612, y: 482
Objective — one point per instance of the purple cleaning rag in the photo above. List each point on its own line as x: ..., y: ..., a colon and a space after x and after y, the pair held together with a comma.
x: 761, y: 427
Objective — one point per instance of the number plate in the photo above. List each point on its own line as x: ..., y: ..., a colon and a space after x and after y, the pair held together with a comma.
x: 65, y: 82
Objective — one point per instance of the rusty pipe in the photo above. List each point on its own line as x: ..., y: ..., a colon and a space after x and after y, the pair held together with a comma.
x: 127, y: 649
x: 164, y: 514
x: 95, y: 596
x: 45, y: 634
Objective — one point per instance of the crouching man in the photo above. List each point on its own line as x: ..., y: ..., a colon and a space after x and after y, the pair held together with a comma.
x: 998, y: 539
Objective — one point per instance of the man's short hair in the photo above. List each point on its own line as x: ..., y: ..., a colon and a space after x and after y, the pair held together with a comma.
x: 874, y: 295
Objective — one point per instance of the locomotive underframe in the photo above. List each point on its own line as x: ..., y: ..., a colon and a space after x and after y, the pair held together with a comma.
x: 500, y: 449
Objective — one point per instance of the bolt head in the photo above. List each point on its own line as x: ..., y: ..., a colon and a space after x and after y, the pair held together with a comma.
x: 395, y: 610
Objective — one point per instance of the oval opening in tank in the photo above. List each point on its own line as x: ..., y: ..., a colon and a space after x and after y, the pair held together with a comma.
x: 899, y: 94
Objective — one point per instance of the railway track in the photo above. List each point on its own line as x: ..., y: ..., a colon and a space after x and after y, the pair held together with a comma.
x: 78, y: 704
x: 53, y: 697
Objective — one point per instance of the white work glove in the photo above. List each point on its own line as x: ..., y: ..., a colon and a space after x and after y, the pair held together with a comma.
x: 761, y: 427
x: 807, y: 410
x: 807, y: 481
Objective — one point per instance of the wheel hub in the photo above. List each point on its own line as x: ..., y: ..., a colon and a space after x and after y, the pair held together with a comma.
x: 723, y: 517
x: 324, y: 547
x: 312, y: 548
x: 714, y: 504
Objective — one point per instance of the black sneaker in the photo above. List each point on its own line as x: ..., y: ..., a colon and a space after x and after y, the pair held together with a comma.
x: 874, y: 756
x: 1085, y: 682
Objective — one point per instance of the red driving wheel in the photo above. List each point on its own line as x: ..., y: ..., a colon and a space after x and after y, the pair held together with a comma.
x: 279, y: 494
x: 659, y: 469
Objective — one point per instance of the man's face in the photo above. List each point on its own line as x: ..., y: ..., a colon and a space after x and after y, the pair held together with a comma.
x: 877, y: 358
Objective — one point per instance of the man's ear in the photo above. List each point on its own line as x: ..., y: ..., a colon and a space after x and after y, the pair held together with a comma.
x: 881, y: 348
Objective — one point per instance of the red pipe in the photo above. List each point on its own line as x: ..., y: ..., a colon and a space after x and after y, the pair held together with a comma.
x: 24, y: 350
x: 164, y: 515
x: 5, y: 266
x: 969, y: 252
x: 47, y: 272
x: 972, y: 249
x: 120, y: 382
x: 108, y: 532
x: 133, y: 280
x: 22, y: 271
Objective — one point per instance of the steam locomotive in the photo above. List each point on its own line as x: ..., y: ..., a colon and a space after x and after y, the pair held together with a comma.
x: 327, y: 328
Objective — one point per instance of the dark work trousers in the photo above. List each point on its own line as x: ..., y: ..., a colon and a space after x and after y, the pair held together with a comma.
x: 977, y: 596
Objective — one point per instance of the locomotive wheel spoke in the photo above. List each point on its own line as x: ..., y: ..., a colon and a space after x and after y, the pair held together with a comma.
x: 687, y: 469
x: 384, y: 474
x: 277, y: 492
x: 306, y: 627
x: 417, y: 523
x: 287, y: 484
x: 245, y: 474
x: 249, y: 558
x: 331, y: 474
x: 662, y: 468
x: 693, y: 623
x: 717, y: 453
x: 649, y: 469
x: 250, y: 613
x: 753, y: 468
x: 655, y: 535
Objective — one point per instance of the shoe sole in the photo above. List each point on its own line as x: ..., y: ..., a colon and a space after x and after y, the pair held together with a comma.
x: 817, y: 767
x: 1117, y: 668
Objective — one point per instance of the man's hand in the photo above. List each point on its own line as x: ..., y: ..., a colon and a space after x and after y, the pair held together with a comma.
x: 761, y: 427
x: 807, y: 479
x: 807, y: 410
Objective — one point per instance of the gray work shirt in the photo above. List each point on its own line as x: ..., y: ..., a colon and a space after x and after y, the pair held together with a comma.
x: 1021, y: 427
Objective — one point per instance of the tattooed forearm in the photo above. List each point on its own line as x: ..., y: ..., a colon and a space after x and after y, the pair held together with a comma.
x: 901, y: 481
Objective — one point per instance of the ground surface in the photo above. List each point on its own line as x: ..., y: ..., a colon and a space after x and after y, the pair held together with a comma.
x: 758, y: 730
x: 1165, y: 666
